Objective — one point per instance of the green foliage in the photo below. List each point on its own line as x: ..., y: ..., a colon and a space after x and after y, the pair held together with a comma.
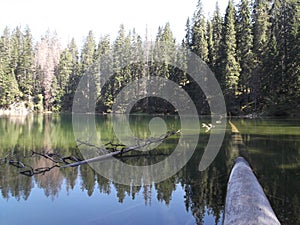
x: 38, y: 103
x: 199, y: 39
x: 253, y: 50
x: 245, y: 55
x: 9, y: 87
x: 230, y: 66
x: 261, y: 37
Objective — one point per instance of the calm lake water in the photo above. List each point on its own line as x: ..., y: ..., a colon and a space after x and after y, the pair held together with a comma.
x: 80, y: 196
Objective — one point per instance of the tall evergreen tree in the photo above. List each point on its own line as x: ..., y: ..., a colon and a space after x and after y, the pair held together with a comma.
x: 74, y: 75
x: 116, y: 82
x: 230, y: 64
x: 65, y: 68
x: 210, y: 44
x: 87, y: 53
x: 217, y: 24
x: 188, y: 34
x: 26, y: 65
x: 103, y: 57
x: 16, y: 45
x: 9, y: 90
x: 245, y: 49
x: 284, y: 83
x: 199, y: 40
x: 138, y: 69
x: 182, y: 79
x: 261, y: 37
x: 22, y: 61
x: 168, y: 49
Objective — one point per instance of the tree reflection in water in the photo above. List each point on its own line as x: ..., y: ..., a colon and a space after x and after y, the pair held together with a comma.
x: 204, y: 192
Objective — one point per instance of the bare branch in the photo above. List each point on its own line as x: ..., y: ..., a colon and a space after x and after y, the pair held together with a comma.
x: 124, y: 150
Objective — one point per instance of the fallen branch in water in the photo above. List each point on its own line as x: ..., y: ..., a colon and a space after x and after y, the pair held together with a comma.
x: 140, y: 144
x: 109, y: 150
x: 42, y: 170
x: 48, y: 155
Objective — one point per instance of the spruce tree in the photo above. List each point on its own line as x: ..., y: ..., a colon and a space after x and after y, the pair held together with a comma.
x: 245, y: 49
x: 188, y: 34
x: 285, y: 23
x: 89, y: 71
x: 65, y: 68
x: 261, y: 36
x: 199, y: 40
x: 10, y: 92
x: 167, y: 51
x: 104, y: 60
x: 230, y: 65
x: 116, y: 82
x: 16, y: 47
x: 215, y: 62
x: 22, y: 61
x: 217, y: 24
x: 183, y: 55
x: 199, y: 46
x: 87, y: 53
x: 74, y: 76
x: 210, y: 44
x: 138, y: 67
x: 26, y: 68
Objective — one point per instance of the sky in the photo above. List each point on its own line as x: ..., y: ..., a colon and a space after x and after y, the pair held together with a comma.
x: 74, y: 18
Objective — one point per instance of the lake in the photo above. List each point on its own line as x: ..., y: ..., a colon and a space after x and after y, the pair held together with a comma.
x: 82, y: 196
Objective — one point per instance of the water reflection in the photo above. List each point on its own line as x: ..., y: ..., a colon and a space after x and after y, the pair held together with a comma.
x: 188, y: 197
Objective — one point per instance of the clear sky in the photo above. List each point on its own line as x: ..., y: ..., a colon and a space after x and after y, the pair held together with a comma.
x: 74, y: 18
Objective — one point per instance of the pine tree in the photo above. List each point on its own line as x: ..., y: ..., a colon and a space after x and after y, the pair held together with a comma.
x: 291, y: 58
x: 245, y: 49
x: 89, y: 73
x: 188, y: 34
x: 65, y: 69
x: 261, y: 37
x: 285, y: 23
x: 26, y: 68
x: 116, y: 82
x: 294, y: 69
x: 217, y: 24
x: 22, y: 61
x: 183, y: 55
x: 103, y: 57
x: 10, y: 92
x: 16, y: 45
x: 210, y: 44
x: 87, y: 53
x: 199, y: 46
x: 167, y: 49
x: 230, y: 66
x: 199, y: 40
x: 138, y: 67
x: 74, y: 76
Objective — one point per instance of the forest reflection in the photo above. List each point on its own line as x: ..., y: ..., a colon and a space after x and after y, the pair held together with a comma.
x: 204, y: 192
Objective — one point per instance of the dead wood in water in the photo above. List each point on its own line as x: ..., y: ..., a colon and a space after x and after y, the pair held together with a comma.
x: 108, y: 151
x: 140, y: 144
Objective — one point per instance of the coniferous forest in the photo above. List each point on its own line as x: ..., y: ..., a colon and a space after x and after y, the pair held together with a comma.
x: 253, y: 50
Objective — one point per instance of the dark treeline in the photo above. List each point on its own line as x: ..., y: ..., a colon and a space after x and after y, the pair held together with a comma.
x: 253, y: 50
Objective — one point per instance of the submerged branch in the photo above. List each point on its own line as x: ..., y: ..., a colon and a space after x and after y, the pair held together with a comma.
x: 138, y: 146
x: 109, y: 150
